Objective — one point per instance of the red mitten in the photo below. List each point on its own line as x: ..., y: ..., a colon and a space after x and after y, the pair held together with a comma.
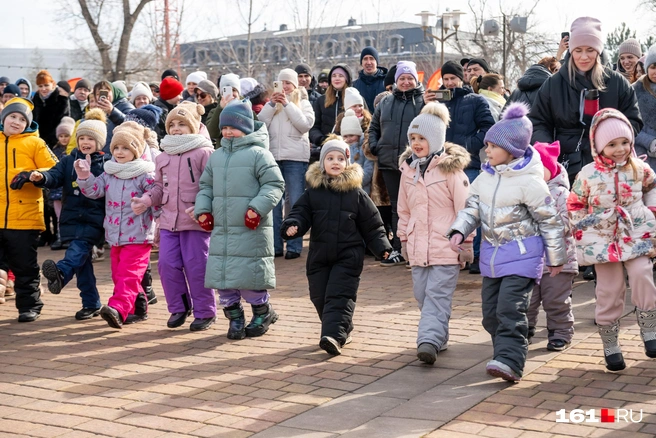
x: 252, y: 219
x: 206, y: 221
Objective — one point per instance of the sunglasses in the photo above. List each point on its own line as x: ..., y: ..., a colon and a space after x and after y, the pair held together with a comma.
x: 202, y: 95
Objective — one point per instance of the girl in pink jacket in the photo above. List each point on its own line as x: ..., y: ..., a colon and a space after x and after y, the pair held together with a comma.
x: 184, y: 243
x: 434, y: 187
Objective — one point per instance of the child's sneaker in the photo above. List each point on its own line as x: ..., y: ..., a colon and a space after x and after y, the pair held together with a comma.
x: 330, y: 345
x: 395, y: 258
x: 557, y: 345
x: 86, y: 313
x: 55, y: 280
x: 499, y: 369
x: 112, y: 317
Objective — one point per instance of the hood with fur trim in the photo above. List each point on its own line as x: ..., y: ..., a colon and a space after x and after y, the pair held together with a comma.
x: 453, y: 159
x: 348, y: 180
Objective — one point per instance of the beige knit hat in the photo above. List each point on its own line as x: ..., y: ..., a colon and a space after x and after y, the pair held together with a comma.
x: 66, y: 126
x: 188, y: 113
x: 350, y: 124
x: 631, y: 46
x: 132, y: 135
x: 287, y: 74
x: 94, y: 125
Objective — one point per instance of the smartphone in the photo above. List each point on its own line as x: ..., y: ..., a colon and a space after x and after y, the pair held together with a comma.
x: 443, y: 95
x: 277, y: 87
x: 226, y: 90
x: 103, y: 94
x: 564, y: 34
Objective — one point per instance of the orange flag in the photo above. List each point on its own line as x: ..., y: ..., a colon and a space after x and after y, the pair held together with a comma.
x: 420, y: 75
x: 435, y: 81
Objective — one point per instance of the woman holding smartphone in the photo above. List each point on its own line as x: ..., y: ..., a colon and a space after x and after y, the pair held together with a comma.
x: 289, y: 117
x: 567, y: 101
x: 114, y: 103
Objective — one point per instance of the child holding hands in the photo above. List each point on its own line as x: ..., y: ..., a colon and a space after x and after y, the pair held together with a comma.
x: 341, y: 217
x: 82, y: 218
x: 520, y: 225
x: 611, y: 208
x: 239, y: 188
x: 130, y: 235
x: 434, y: 187
x: 184, y: 244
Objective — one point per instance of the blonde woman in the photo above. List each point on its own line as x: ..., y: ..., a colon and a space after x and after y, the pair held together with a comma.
x: 289, y: 117
x: 567, y: 101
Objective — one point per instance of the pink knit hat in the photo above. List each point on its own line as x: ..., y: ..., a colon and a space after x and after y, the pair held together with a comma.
x: 549, y: 155
x: 586, y: 31
x: 609, y: 129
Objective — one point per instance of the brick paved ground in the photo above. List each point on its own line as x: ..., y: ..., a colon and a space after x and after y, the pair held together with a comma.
x: 60, y: 377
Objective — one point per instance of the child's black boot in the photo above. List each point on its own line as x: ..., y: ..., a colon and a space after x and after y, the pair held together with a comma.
x: 263, y: 316
x: 612, y: 352
x: 235, y: 314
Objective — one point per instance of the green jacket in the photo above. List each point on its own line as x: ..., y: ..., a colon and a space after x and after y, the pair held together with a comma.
x: 241, y: 174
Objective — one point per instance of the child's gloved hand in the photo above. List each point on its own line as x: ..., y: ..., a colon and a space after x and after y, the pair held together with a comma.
x: 83, y: 168
x: 252, y: 219
x: 206, y: 221
x: 455, y: 241
x: 19, y: 180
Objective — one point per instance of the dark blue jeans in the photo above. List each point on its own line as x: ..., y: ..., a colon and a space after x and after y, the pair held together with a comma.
x: 293, y: 172
x: 472, y: 174
x: 77, y: 261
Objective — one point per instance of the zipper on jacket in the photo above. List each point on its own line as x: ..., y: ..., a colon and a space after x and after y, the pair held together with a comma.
x: 225, y: 215
x: 191, y: 171
x: 14, y: 154
x: 7, y: 180
x: 496, y: 242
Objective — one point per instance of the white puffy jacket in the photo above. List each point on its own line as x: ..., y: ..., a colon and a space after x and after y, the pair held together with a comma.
x: 288, y: 130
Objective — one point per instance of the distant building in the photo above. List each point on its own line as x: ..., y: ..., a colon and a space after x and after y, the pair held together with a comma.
x: 61, y: 63
x: 271, y: 51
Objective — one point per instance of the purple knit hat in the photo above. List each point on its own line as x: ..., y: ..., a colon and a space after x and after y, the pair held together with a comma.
x: 403, y: 67
x: 513, y: 131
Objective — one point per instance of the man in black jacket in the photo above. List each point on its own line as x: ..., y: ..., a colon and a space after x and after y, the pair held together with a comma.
x: 305, y: 79
x: 372, y: 78
x: 80, y: 99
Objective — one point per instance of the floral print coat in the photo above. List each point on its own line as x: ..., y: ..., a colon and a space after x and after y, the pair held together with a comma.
x: 611, y: 206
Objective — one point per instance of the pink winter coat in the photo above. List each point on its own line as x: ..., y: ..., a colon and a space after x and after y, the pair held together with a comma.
x: 428, y: 207
x: 176, y: 186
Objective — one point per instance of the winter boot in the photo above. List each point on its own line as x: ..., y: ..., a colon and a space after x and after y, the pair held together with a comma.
x: 263, y: 316
x: 612, y: 352
x: 147, y: 285
x: 235, y: 314
x: 3, y: 285
x: 647, y: 323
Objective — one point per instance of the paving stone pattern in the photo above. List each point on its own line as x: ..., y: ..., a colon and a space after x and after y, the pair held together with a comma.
x: 64, y: 378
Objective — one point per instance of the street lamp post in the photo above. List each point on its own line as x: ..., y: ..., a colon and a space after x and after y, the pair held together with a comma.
x: 516, y: 24
x: 446, y: 20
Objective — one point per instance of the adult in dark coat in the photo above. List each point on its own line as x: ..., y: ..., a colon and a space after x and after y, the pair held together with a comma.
x: 50, y: 106
x: 331, y: 104
x: 645, y: 89
x: 340, y: 217
x: 529, y: 84
x: 371, y: 81
x: 306, y: 79
x: 79, y: 100
x: 388, y: 138
x: 116, y: 106
x: 557, y: 111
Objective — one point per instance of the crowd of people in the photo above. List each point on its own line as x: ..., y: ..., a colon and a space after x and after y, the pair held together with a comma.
x: 521, y: 187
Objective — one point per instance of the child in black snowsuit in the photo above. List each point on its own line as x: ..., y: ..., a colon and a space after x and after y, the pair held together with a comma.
x: 343, y: 219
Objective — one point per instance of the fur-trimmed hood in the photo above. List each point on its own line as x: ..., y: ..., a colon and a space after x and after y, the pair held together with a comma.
x: 349, y: 180
x: 453, y: 159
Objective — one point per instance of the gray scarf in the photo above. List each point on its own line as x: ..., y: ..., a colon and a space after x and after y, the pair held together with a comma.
x: 417, y: 163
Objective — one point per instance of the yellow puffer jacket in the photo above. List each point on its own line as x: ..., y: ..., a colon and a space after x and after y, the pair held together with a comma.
x: 22, y: 209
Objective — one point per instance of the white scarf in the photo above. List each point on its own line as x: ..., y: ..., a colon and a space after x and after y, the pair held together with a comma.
x: 179, y: 144
x: 130, y: 169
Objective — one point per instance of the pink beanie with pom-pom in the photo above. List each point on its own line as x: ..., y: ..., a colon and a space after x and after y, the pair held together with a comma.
x: 513, y: 131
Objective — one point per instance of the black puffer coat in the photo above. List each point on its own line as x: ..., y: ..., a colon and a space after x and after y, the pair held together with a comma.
x: 81, y: 218
x: 340, y: 214
x: 388, y: 131
x: 529, y: 84
x: 470, y: 120
x: 48, y: 113
x: 556, y: 115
